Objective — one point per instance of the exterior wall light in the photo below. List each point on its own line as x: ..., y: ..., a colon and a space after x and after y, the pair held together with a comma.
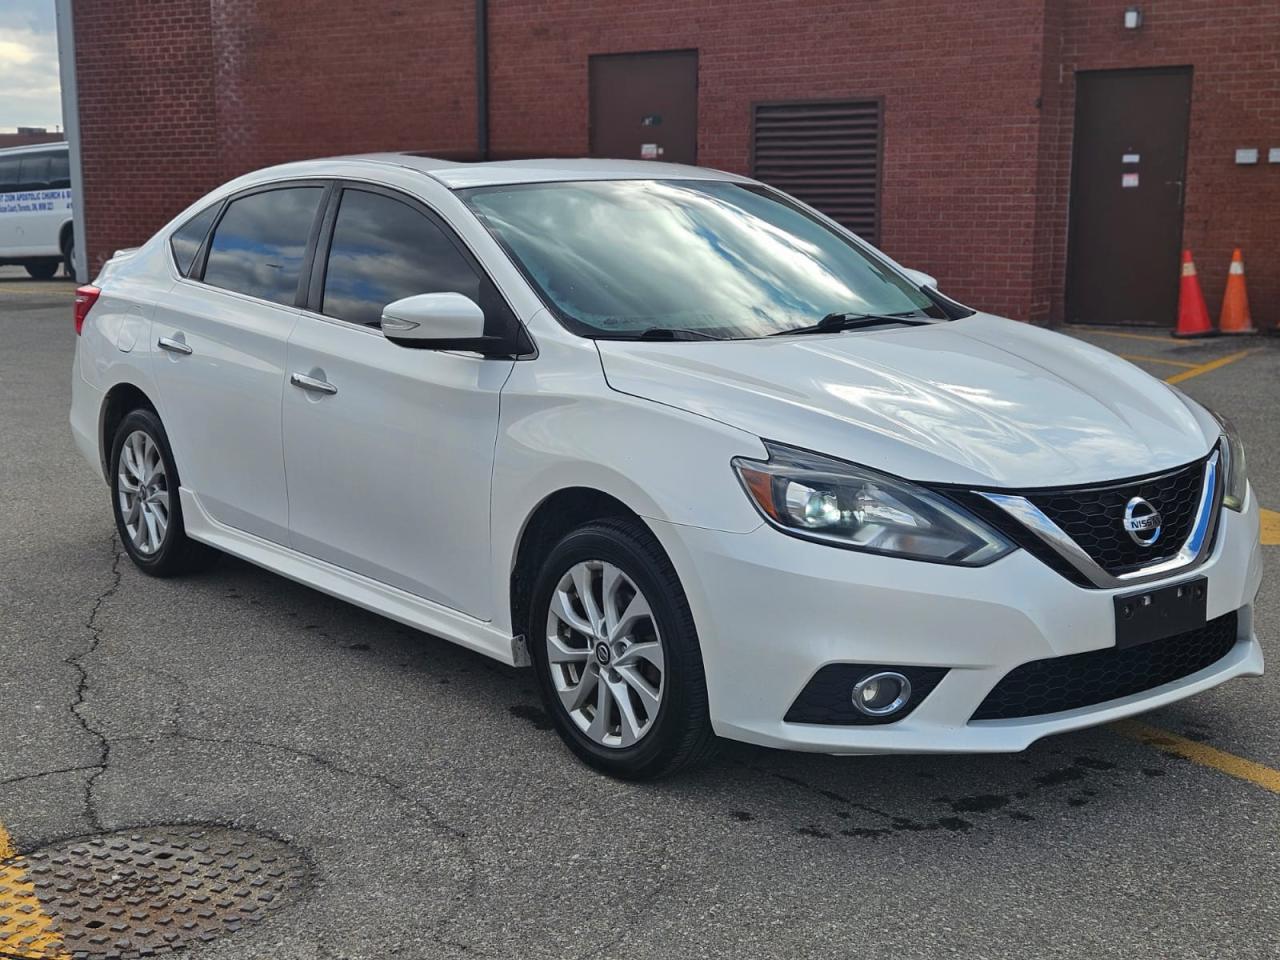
x: 1132, y: 18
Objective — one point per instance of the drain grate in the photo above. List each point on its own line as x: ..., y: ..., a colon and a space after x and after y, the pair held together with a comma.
x: 140, y: 893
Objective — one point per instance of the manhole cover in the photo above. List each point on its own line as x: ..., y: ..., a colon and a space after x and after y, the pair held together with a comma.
x: 139, y: 893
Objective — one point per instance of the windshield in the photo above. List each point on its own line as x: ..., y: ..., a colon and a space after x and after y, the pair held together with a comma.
x: 625, y: 258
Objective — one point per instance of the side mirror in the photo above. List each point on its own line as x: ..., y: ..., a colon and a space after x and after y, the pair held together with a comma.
x: 920, y: 278
x: 438, y: 321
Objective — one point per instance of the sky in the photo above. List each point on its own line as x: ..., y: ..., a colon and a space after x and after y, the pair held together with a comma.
x: 29, y: 88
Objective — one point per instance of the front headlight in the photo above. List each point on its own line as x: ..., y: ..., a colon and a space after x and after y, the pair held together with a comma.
x: 1234, y: 467
x: 820, y: 498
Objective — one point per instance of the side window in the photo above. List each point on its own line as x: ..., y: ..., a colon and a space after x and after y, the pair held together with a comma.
x: 8, y: 174
x: 186, y: 240
x: 33, y: 171
x: 259, y: 244
x: 383, y: 250
x: 59, y: 170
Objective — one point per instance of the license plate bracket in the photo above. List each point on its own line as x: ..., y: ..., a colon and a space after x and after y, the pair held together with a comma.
x: 1148, y: 615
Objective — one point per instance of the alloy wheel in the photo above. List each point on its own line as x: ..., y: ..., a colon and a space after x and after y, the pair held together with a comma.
x: 605, y: 654
x: 143, y: 490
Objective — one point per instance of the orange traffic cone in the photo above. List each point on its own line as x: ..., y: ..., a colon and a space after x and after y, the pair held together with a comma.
x: 1193, y: 315
x: 1235, y: 302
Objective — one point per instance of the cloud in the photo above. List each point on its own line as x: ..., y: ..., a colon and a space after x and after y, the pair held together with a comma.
x: 29, y: 70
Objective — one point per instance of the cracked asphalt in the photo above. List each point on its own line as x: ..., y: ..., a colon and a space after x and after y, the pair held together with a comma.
x: 442, y: 817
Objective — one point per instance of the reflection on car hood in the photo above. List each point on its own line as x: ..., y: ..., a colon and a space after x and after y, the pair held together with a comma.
x: 980, y: 401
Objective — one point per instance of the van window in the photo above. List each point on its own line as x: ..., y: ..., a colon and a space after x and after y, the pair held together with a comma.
x: 33, y: 171
x: 186, y: 240
x: 60, y: 170
x: 8, y: 174
x: 260, y: 242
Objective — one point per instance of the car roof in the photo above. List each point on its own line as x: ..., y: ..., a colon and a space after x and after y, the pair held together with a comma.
x: 457, y: 175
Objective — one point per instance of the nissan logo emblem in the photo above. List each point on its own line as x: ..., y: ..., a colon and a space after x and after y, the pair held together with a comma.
x: 1141, y: 522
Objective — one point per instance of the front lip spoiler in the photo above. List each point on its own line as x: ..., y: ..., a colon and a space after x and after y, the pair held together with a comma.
x: 1190, y: 555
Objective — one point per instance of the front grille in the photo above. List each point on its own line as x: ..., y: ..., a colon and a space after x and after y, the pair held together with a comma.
x: 1085, y: 679
x: 828, y: 696
x: 1094, y: 516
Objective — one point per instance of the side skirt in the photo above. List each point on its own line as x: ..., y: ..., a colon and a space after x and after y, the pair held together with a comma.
x: 378, y: 597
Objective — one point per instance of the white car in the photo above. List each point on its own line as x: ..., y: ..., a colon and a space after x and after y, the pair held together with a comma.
x: 35, y: 209
x: 708, y: 462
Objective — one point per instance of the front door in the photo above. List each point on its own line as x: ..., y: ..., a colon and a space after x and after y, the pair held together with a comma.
x: 1128, y: 169
x: 644, y: 106
x: 388, y: 451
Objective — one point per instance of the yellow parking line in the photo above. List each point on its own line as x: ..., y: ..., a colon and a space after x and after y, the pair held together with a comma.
x: 1090, y: 332
x: 26, y: 929
x: 1200, y: 753
x: 1270, y: 527
x: 1207, y: 366
x: 1172, y: 363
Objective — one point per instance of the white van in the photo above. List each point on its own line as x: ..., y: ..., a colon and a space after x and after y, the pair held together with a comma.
x: 35, y: 209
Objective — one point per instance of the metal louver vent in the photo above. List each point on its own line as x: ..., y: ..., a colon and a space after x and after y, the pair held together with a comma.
x: 826, y: 153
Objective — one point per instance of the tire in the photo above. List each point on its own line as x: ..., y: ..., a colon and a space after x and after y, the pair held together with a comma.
x: 42, y: 269
x: 678, y: 733
x: 69, y: 255
x: 159, y: 549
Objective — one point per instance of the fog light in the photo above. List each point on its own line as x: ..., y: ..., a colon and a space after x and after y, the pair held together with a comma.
x: 880, y: 694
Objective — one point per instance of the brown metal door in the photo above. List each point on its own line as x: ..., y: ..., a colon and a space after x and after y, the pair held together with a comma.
x: 644, y: 106
x: 1128, y: 165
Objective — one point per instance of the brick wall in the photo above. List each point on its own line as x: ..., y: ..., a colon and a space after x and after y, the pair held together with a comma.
x: 1234, y: 50
x: 959, y: 78
x: 979, y: 101
x: 26, y: 139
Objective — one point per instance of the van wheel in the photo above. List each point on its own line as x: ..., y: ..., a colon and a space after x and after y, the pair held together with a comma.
x: 144, y: 497
x: 42, y: 269
x: 617, y: 655
x: 69, y: 255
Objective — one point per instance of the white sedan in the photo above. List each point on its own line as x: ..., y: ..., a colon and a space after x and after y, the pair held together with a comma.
x: 705, y: 460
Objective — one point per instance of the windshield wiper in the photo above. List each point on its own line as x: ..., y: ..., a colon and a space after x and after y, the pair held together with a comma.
x: 856, y: 321
x: 670, y: 333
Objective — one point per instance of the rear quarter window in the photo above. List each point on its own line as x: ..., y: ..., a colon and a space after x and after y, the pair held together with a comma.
x: 185, y: 241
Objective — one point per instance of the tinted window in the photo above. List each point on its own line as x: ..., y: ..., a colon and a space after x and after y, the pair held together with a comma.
x: 260, y: 242
x: 187, y: 238
x: 60, y: 170
x: 33, y: 171
x: 383, y: 250
x: 8, y: 174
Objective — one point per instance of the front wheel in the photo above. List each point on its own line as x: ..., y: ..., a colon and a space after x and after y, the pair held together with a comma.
x: 617, y: 655
x: 144, y: 496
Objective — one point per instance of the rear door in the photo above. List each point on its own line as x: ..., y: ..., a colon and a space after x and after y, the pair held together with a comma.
x: 222, y: 340
x: 389, y: 462
x: 1129, y: 162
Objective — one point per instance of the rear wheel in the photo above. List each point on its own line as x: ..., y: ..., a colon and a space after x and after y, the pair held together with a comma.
x: 617, y: 655
x: 69, y: 254
x: 144, y: 497
x: 42, y: 269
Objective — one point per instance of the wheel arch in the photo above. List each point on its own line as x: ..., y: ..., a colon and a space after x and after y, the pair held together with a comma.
x: 65, y: 232
x: 122, y: 398
x: 555, y: 515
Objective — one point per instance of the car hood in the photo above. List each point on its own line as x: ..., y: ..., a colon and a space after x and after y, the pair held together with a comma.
x: 981, y: 401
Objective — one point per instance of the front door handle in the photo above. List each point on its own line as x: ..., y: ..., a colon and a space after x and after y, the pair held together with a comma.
x: 174, y: 346
x: 312, y: 384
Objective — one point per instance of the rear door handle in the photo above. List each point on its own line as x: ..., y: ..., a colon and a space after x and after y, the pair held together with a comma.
x: 312, y: 384
x: 174, y: 346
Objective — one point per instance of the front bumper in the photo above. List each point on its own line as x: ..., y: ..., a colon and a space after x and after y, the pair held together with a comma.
x: 772, y: 610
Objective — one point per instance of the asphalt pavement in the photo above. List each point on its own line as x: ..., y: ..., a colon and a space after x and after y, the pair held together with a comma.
x: 438, y: 815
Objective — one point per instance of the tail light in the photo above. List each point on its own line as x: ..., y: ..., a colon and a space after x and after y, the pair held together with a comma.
x: 86, y: 297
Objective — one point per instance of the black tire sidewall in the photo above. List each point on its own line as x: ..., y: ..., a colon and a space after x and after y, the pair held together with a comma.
x: 43, y: 270
x: 615, y: 543
x: 167, y: 557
